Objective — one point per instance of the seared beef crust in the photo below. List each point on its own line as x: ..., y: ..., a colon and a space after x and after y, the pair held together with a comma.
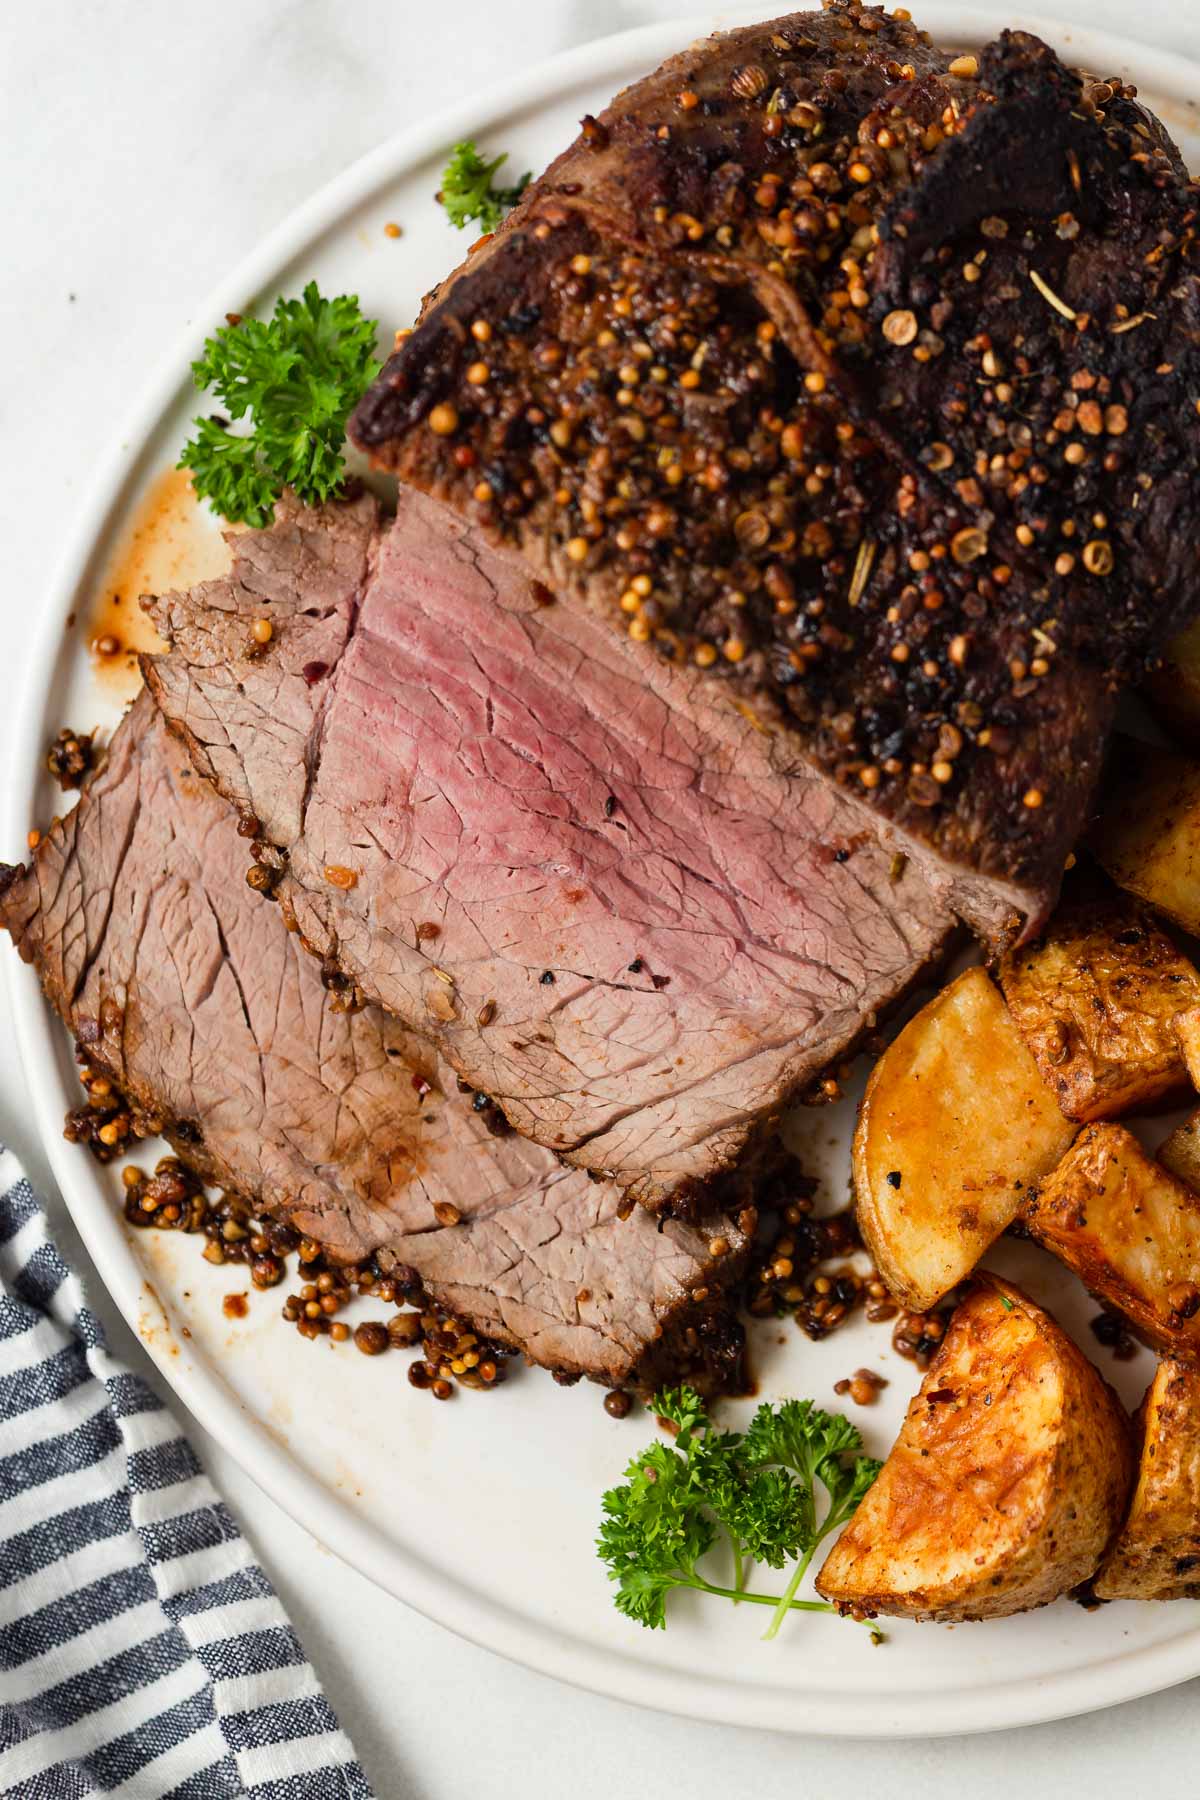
x: 862, y: 378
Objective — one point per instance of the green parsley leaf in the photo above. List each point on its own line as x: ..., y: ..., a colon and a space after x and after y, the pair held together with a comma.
x: 755, y: 1495
x: 654, y: 1532
x: 802, y: 1438
x: 297, y: 376
x: 765, y: 1514
x: 468, y: 191
x: 683, y: 1408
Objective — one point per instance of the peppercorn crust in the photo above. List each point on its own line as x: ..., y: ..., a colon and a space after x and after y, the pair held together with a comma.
x: 1006, y: 1483
x: 862, y: 378
x: 1157, y: 1554
x: 1130, y: 1231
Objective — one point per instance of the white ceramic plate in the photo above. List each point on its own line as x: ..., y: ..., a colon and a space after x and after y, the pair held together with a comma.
x: 482, y: 1513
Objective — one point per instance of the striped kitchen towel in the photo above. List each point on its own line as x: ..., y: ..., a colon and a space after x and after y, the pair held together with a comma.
x: 143, y: 1651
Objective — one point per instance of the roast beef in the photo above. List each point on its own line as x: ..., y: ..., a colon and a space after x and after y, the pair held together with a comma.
x: 588, y: 878
x: 860, y: 378
x: 182, y: 986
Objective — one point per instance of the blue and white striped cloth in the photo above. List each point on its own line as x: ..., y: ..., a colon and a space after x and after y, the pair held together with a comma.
x: 143, y: 1651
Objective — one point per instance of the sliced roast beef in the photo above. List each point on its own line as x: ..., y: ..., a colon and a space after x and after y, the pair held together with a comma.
x: 860, y: 378
x: 185, y: 989
x: 592, y: 881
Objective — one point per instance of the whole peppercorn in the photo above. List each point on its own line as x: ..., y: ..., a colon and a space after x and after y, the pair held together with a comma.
x: 70, y: 757
x: 371, y: 1337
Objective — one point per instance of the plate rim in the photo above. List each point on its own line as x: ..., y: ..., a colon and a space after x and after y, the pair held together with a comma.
x: 549, y: 1650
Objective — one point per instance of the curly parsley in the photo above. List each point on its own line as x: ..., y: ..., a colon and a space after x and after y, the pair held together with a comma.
x: 297, y: 375
x: 468, y: 191
x: 756, y: 1492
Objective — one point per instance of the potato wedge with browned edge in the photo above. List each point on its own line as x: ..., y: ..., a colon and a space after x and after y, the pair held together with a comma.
x: 1179, y: 1154
x: 954, y: 1125
x: 1187, y: 1030
x: 1006, y: 1483
x: 1173, y: 690
x: 1148, y: 834
x: 1157, y: 1553
x: 1096, y: 999
x: 1130, y: 1231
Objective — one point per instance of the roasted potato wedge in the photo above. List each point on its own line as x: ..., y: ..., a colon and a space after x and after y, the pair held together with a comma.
x: 1008, y: 1479
x: 954, y: 1125
x: 1157, y: 1555
x: 1174, y: 688
x: 1130, y: 1231
x: 1148, y: 836
x: 1096, y: 1000
x: 1180, y: 1153
x: 1187, y: 1030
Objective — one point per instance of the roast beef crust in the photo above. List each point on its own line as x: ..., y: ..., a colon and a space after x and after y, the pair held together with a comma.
x: 760, y: 369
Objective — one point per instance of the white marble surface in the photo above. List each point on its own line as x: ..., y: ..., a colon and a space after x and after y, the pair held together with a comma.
x: 146, y: 147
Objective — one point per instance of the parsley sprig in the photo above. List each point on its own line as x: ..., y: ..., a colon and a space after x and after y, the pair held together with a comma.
x: 297, y: 375
x: 756, y: 1492
x: 468, y: 190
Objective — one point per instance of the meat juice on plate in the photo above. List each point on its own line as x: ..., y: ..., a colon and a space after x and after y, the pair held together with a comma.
x: 169, y: 541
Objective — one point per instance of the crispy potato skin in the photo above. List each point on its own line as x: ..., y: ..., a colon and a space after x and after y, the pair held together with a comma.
x: 1006, y: 1483
x: 1157, y: 1553
x: 1173, y: 690
x: 1179, y: 1154
x: 1148, y: 836
x: 954, y: 1125
x: 1130, y: 1231
x: 1096, y: 1001
x: 1187, y: 1030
